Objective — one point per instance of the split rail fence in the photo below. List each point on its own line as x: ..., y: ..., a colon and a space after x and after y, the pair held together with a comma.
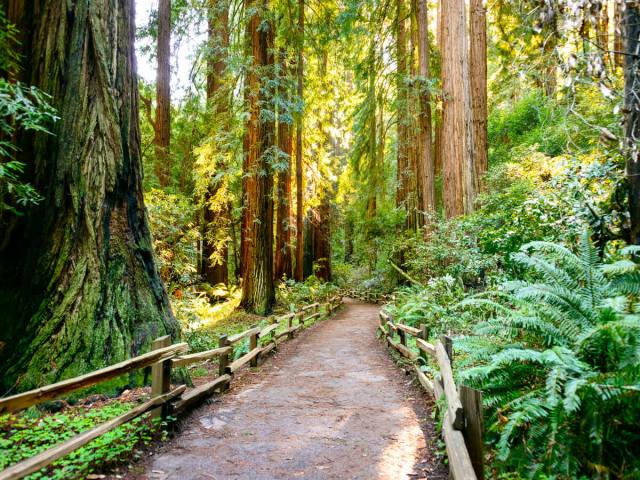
x: 164, y: 400
x: 462, y: 424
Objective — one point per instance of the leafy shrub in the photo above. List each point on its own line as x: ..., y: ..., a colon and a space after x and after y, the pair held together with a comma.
x: 558, y: 364
x: 175, y: 236
x: 23, y: 436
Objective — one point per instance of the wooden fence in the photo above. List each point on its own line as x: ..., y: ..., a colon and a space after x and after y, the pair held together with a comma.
x: 462, y: 424
x: 164, y: 400
x: 366, y: 295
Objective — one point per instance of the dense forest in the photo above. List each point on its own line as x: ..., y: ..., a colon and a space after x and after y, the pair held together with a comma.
x: 476, y: 161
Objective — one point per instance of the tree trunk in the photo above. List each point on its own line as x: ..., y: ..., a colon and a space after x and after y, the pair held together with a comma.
x: 79, y: 288
x: 163, y: 164
x: 456, y: 146
x: 216, y: 209
x: 426, y: 166
x: 321, y: 225
x: 618, y: 45
x: 478, y: 74
x: 258, y: 293
x: 299, y: 177
x: 283, y: 253
x: 632, y: 114
x: 437, y: 147
x: 403, y: 172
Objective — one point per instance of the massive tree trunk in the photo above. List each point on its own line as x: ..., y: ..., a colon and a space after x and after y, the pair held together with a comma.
x: 478, y: 74
x: 426, y: 166
x: 216, y: 209
x: 299, y: 177
x: 258, y: 293
x: 79, y: 288
x: 162, y: 125
x: 631, y: 35
x: 457, y: 162
x: 283, y: 253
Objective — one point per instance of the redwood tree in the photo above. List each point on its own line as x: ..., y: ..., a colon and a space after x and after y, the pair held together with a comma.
x: 283, y: 253
x: 456, y: 146
x: 216, y: 213
x: 299, y: 177
x: 258, y: 293
x: 162, y: 123
x: 478, y: 77
x: 79, y: 288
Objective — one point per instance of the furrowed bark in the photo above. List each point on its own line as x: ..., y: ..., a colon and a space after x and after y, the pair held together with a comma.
x: 217, y: 211
x: 299, y: 177
x: 258, y: 293
x: 478, y: 74
x: 79, y: 288
x: 162, y: 125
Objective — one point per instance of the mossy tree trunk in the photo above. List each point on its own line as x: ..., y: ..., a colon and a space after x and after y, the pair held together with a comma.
x: 79, y: 288
x: 258, y: 293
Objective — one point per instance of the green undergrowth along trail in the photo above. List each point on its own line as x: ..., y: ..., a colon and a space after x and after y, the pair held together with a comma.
x: 29, y: 433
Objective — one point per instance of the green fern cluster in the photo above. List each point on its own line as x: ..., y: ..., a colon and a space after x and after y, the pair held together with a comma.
x: 561, y: 370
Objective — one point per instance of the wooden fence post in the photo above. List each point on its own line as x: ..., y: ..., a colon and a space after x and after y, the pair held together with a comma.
x: 447, y: 342
x: 253, y: 344
x: 403, y: 337
x: 474, y: 427
x: 424, y: 335
x: 224, y: 359
x: 290, y: 326
x: 160, y: 377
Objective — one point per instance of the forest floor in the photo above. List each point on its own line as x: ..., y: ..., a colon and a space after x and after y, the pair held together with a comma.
x: 330, y: 404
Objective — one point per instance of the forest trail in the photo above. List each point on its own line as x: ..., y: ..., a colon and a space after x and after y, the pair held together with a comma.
x: 329, y: 405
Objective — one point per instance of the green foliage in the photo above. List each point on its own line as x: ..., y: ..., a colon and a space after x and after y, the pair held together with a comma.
x: 293, y: 295
x: 23, y: 436
x: 175, y: 236
x: 22, y: 108
x: 558, y: 363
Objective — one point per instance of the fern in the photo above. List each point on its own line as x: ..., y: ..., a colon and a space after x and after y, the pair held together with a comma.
x: 559, y: 364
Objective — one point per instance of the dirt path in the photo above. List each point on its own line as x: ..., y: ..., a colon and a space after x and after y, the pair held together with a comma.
x: 330, y: 405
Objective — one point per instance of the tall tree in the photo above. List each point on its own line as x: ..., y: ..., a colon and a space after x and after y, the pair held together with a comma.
x: 457, y: 162
x: 402, y: 104
x: 162, y: 123
x: 617, y: 33
x: 299, y: 125
x: 79, y: 288
x: 283, y: 253
x: 216, y: 210
x: 258, y: 293
x: 631, y: 36
x: 478, y: 78
x: 426, y: 166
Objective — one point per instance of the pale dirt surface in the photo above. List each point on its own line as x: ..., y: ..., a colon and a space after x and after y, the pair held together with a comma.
x: 331, y: 404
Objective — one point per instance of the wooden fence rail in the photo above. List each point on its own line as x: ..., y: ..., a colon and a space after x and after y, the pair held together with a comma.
x: 165, y: 400
x: 463, y: 423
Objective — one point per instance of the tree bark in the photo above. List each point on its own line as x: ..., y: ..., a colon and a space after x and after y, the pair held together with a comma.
x: 478, y: 74
x: 618, y: 44
x: 79, y: 288
x: 258, y: 293
x: 283, y: 253
x: 426, y: 164
x: 216, y: 210
x: 403, y: 172
x: 163, y: 164
x: 299, y: 125
x: 321, y: 225
x: 631, y: 37
x: 457, y: 163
